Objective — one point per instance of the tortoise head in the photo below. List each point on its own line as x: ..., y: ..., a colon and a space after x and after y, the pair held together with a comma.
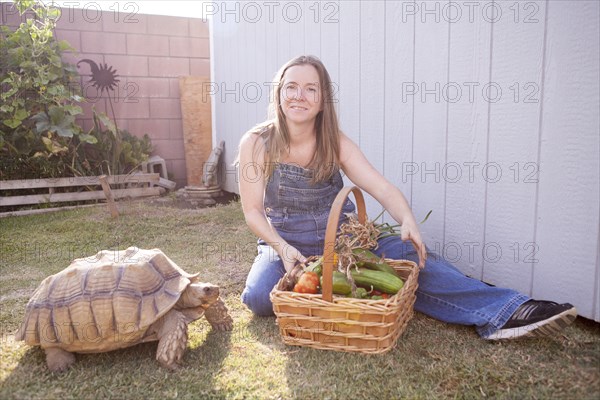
x: 198, y: 295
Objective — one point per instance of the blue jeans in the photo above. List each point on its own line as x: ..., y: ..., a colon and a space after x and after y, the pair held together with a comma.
x: 298, y: 210
x: 444, y: 293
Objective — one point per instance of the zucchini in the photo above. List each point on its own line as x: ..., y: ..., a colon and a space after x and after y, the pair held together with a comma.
x: 379, y: 280
x: 340, y: 283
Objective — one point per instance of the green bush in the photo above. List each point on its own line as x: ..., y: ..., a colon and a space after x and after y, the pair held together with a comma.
x: 39, y: 136
x: 114, y: 151
x: 39, y: 105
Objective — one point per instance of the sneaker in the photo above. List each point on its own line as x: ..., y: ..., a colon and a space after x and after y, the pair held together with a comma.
x: 536, y: 318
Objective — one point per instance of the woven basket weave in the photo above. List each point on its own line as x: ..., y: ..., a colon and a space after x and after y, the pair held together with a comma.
x: 328, y: 322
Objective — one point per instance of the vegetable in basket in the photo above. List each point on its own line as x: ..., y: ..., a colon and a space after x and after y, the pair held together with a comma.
x: 382, y: 281
x: 361, y: 293
x: 340, y: 284
x: 368, y: 259
x: 316, y: 266
x: 308, y: 283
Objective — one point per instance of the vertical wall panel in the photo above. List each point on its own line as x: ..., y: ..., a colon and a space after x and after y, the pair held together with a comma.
x: 349, y: 89
x: 514, y: 97
x: 431, y: 74
x: 271, y: 64
x: 567, y: 209
x: 226, y: 65
x: 312, y: 23
x: 289, y: 30
x: 372, y: 83
x: 596, y: 294
x: 259, y: 77
x: 241, y: 82
x: 330, y: 43
x: 399, y: 74
x: 466, y: 142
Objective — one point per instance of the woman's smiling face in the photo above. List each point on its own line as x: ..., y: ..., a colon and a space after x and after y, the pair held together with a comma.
x: 301, y: 95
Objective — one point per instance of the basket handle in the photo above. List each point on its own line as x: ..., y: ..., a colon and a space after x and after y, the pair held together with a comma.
x: 331, y: 233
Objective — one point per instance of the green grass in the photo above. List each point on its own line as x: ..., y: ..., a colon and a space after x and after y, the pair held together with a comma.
x: 431, y: 359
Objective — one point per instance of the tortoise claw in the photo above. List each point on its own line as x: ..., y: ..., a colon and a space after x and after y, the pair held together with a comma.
x: 224, y: 326
x: 218, y: 316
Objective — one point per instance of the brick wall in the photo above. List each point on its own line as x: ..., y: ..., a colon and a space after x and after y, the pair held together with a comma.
x: 149, y: 53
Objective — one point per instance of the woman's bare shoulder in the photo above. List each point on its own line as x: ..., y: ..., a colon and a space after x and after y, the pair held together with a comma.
x: 249, y: 139
x: 253, y: 143
x: 256, y: 133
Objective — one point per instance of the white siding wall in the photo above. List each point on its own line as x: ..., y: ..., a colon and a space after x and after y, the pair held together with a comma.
x: 493, y: 126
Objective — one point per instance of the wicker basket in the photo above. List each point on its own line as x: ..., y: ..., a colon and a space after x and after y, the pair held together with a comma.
x: 328, y: 322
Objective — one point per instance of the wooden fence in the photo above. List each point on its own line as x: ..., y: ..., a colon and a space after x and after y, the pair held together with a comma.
x: 88, y: 188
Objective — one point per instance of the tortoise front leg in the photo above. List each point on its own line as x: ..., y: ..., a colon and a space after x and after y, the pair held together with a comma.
x: 58, y: 360
x: 218, y: 316
x: 172, y: 339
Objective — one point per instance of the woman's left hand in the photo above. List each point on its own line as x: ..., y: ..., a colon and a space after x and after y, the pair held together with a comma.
x: 410, y: 231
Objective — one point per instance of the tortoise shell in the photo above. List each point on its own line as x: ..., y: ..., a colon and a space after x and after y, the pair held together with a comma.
x: 104, y: 302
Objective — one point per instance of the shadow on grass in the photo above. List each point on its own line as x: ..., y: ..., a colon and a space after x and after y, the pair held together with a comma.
x: 315, y: 373
x: 127, y: 373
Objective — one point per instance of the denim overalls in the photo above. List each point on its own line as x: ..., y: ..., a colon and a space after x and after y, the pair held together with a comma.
x: 298, y: 210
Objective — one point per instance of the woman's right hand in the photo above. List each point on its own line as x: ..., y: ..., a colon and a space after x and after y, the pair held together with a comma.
x: 410, y: 231
x: 290, y: 257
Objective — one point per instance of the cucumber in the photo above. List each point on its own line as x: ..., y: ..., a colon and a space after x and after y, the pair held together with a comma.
x: 379, y: 280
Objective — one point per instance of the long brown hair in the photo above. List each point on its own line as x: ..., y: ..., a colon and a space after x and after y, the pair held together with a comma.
x: 275, y: 133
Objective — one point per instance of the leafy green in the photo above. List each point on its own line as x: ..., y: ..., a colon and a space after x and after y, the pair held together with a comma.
x: 39, y: 105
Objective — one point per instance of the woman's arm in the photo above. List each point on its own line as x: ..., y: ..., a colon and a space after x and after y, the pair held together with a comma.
x: 360, y: 171
x: 252, y: 184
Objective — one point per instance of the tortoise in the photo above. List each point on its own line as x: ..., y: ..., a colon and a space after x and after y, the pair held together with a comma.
x: 118, y: 299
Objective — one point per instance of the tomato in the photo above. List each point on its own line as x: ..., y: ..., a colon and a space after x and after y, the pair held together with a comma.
x: 308, y: 283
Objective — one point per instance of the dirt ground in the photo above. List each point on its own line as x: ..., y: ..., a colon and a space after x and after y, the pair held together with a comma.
x: 191, y: 203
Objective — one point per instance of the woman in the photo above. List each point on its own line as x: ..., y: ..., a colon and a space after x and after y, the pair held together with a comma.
x: 289, y: 176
